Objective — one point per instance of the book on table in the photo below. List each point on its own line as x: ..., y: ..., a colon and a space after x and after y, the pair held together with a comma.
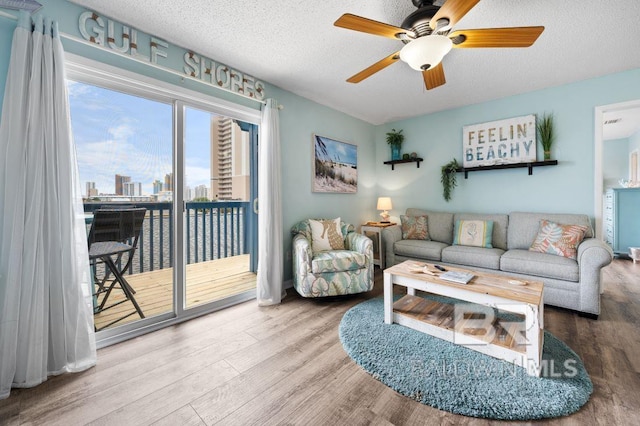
x: 457, y: 276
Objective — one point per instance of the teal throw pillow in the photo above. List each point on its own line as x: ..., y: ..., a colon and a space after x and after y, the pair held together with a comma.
x: 475, y: 233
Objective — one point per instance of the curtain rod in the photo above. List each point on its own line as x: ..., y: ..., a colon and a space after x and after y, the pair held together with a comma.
x: 183, y: 76
x: 8, y: 15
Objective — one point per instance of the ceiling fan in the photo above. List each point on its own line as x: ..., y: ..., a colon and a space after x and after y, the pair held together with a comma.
x: 428, y: 37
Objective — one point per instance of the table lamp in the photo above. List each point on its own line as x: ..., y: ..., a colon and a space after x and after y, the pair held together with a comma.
x: 384, y: 203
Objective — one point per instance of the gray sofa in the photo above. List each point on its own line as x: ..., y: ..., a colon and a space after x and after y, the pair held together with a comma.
x: 572, y: 284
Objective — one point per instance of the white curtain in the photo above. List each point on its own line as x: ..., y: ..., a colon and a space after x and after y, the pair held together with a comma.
x: 46, y: 322
x: 269, y: 286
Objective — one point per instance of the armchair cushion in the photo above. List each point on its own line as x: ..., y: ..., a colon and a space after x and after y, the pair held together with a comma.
x: 326, y: 235
x: 338, y: 261
x: 303, y: 228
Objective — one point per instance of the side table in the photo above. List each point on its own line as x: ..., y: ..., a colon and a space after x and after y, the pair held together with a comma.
x: 373, y: 230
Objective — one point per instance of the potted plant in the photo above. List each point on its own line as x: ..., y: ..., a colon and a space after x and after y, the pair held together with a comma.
x: 448, y: 178
x: 395, y: 139
x: 544, y: 126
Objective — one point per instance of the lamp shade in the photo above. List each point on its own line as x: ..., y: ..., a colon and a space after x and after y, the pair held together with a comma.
x: 425, y: 52
x: 384, y: 203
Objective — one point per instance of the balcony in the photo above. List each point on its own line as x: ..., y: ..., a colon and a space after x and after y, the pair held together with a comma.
x: 217, y: 253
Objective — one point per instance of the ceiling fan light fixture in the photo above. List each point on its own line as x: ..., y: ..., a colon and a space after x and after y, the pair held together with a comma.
x: 426, y: 52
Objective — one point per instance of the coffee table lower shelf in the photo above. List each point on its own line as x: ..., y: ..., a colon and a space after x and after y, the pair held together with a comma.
x: 437, y: 319
x: 469, y: 318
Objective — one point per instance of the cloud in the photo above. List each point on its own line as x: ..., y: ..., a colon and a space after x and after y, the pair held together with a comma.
x: 101, y: 161
x: 196, y: 175
x: 121, y: 131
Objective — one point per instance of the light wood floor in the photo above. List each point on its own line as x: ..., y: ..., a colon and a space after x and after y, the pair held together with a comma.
x: 205, y: 282
x: 285, y: 365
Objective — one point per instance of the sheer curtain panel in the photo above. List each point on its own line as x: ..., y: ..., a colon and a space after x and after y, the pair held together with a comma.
x: 269, y: 282
x: 46, y: 322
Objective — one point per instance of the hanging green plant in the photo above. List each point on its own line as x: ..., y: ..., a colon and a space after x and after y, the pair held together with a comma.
x: 448, y: 178
x: 546, y: 134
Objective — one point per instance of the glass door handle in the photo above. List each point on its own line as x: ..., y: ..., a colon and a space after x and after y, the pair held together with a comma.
x: 255, y: 205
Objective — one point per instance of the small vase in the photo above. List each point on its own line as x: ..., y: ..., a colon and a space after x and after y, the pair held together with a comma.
x: 395, y: 152
x: 547, y: 155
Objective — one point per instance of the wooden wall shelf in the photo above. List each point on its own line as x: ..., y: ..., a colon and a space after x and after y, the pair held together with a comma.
x: 411, y: 160
x: 529, y: 166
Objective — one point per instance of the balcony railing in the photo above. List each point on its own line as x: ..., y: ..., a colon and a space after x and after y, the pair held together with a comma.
x: 214, y: 230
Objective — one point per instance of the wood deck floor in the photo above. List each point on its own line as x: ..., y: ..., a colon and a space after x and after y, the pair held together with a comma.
x: 284, y: 364
x: 205, y: 282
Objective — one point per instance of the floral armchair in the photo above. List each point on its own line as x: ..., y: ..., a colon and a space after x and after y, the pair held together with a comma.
x: 331, y: 272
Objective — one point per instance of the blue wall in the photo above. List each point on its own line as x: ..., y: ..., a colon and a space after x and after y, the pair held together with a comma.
x: 615, y: 162
x: 634, y: 142
x: 567, y: 187
x: 634, y: 145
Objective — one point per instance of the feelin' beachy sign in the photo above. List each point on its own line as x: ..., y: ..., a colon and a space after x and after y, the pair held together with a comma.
x: 512, y: 140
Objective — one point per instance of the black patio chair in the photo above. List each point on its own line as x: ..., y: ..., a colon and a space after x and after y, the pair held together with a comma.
x: 113, y: 236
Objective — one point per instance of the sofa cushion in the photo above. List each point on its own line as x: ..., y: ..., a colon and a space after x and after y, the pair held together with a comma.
x: 338, y: 261
x: 540, y: 264
x: 420, y: 249
x: 500, y: 225
x: 474, y: 233
x: 523, y: 227
x: 561, y: 240
x: 440, y: 224
x: 414, y: 227
x: 473, y: 256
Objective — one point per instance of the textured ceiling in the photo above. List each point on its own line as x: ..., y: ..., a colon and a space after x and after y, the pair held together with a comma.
x: 294, y: 45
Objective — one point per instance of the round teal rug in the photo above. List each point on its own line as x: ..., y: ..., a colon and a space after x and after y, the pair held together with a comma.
x: 460, y: 380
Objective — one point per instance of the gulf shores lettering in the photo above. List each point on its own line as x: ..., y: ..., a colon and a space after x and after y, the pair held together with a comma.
x: 125, y: 41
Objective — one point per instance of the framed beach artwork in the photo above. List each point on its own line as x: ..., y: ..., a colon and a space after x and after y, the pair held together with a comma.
x: 335, y: 166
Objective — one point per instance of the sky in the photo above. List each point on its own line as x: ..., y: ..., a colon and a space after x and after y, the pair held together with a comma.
x: 340, y: 151
x: 117, y: 133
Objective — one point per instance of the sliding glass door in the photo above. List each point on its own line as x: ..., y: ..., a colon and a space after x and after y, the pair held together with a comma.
x: 193, y: 167
x: 218, y: 194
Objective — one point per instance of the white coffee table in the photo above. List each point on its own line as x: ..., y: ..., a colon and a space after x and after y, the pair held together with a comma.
x: 519, y: 342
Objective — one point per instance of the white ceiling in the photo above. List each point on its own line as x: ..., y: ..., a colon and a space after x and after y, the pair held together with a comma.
x: 620, y: 124
x: 294, y: 45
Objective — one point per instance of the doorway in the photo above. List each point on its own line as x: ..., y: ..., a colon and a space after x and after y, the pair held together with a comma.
x: 218, y: 197
x: 609, y: 117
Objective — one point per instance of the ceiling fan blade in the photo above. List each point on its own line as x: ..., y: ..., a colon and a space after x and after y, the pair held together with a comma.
x: 374, y: 68
x: 453, y: 11
x: 358, y: 23
x: 434, y: 77
x: 496, y: 37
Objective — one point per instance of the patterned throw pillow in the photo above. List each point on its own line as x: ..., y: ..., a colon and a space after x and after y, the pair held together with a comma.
x: 326, y: 235
x: 558, y: 239
x: 475, y: 233
x: 414, y: 227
